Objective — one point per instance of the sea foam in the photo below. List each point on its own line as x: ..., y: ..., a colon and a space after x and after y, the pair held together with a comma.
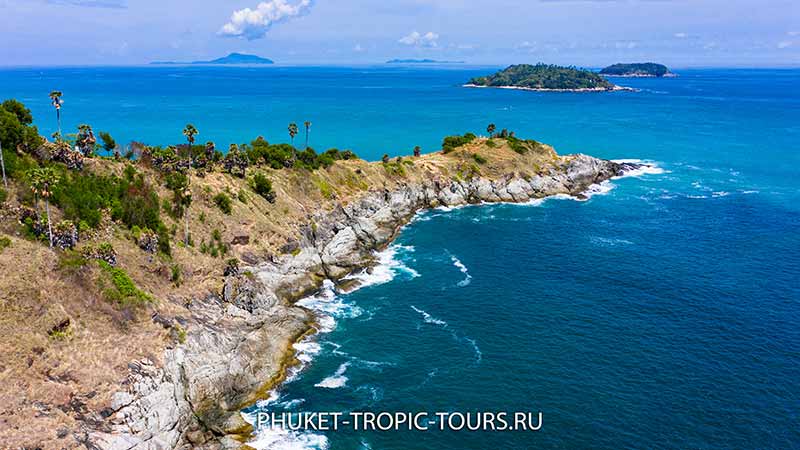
x: 336, y: 380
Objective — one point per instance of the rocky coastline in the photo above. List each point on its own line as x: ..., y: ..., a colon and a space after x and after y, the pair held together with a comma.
x: 241, y: 346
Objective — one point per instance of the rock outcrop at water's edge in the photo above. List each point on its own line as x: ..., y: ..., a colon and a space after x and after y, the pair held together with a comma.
x: 244, y: 344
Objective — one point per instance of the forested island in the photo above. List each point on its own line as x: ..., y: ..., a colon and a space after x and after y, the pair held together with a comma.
x: 637, y: 70
x: 545, y: 77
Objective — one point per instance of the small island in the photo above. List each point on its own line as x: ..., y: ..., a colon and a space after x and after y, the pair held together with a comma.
x: 546, y: 78
x: 231, y: 59
x: 637, y: 70
x: 421, y: 61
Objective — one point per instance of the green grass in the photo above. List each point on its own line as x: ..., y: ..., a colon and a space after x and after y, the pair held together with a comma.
x: 479, y: 159
x: 5, y: 242
x: 123, y: 291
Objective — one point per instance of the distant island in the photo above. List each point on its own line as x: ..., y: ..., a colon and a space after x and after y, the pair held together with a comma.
x: 233, y: 58
x: 637, y: 70
x: 544, y: 77
x: 421, y: 61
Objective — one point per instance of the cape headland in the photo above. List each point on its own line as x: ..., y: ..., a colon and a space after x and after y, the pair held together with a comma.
x: 637, y: 70
x: 545, y: 78
x: 148, y: 296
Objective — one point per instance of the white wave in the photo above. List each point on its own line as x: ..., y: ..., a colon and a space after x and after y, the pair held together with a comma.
x: 750, y: 192
x: 429, y: 318
x: 336, y: 380
x: 609, y: 242
x: 386, y: 269
x: 306, y: 350
x: 277, y: 438
x: 647, y: 168
x: 329, y: 306
x: 463, y: 269
x: 476, y: 349
x: 720, y: 194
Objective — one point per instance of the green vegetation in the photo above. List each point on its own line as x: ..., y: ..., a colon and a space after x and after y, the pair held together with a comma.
x: 544, y: 76
x: 3, y: 195
x: 450, y: 143
x: 325, y: 188
x: 636, y: 70
x: 5, y: 242
x: 279, y: 156
x: 215, y: 247
x: 479, y: 159
x: 223, y: 202
x: 122, y: 289
x: 109, y: 144
x: 263, y: 187
x: 520, y: 146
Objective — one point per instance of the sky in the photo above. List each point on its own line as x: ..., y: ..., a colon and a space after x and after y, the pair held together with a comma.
x: 588, y: 33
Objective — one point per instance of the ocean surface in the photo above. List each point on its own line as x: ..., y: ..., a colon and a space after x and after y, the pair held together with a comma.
x: 663, y: 312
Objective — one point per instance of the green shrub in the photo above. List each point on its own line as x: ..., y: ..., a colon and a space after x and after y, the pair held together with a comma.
x: 3, y: 195
x: 122, y: 291
x: 5, y: 242
x: 263, y: 187
x: 479, y: 159
x: 491, y: 143
x: 176, y: 274
x: 223, y: 202
x: 450, y: 143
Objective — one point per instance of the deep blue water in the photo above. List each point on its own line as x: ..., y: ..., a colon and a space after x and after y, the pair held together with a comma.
x: 664, y: 313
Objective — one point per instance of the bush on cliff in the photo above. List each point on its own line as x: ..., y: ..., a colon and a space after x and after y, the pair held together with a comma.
x: 263, y: 187
x: 451, y: 143
x: 223, y: 202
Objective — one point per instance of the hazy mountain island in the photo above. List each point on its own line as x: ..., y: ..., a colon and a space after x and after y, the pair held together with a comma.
x: 421, y: 61
x: 637, y: 70
x: 544, y: 77
x: 233, y: 58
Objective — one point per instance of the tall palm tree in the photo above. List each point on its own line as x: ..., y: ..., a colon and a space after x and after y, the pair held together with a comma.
x: 55, y: 97
x: 292, y: 131
x: 490, y: 129
x: 190, y: 131
x: 43, y: 180
x: 3, y: 165
x: 308, y: 128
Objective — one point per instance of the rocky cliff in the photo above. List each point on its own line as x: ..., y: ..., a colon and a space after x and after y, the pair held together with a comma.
x: 240, y: 344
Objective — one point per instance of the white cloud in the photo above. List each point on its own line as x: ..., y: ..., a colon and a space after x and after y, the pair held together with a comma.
x: 681, y: 35
x: 358, y: 48
x: 785, y: 44
x: 429, y: 39
x: 254, y: 24
x: 793, y: 33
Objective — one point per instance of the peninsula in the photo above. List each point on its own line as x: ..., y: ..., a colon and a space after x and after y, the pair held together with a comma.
x: 231, y: 59
x: 546, y: 78
x: 148, y: 293
x: 637, y: 70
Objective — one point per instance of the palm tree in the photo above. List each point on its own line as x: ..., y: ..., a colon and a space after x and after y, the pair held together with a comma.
x: 43, y: 180
x: 490, y: 129
x: 292, y: 131
x: 86, y: 140
x: 190, y: 131
x: 308, y: 128
x: 55, y: 97
x: 3, y: 165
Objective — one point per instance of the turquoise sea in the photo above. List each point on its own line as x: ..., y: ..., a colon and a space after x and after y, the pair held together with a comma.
x: 663, y: 312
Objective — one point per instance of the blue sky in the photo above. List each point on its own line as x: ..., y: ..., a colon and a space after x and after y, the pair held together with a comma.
x: 680, y: 33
